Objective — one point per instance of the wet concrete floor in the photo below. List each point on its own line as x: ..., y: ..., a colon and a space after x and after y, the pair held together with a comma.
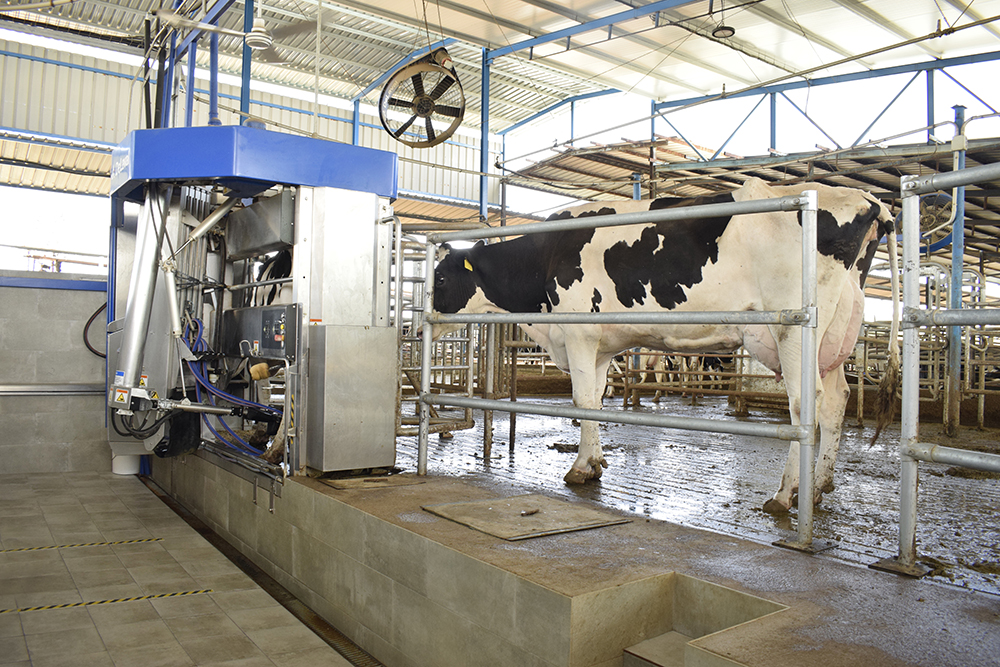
x: 719, y: 482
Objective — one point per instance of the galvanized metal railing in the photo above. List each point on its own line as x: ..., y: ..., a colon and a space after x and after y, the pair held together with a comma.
x: 804, y: 432
x: 911, y: 451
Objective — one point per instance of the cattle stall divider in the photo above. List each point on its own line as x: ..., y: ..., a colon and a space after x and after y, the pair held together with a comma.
x: 910, y: 450
x: 804, y: 432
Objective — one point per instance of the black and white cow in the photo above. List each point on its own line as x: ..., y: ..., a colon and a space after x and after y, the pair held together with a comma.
x: 741, y: 263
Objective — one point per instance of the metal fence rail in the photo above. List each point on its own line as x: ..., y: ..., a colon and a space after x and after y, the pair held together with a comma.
x: 805, y: 432
x: 910, y: 451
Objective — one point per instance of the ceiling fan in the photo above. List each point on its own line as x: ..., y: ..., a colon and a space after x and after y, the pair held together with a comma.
x: 260, y: 39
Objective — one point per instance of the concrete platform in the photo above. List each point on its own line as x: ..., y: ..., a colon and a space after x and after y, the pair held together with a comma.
x: 414, y: 589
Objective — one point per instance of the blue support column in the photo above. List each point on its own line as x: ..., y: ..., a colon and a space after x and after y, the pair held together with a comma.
x: 572, y: 121
x: 957, y: 268
x: 189, y: 110
x: 930, y: 104
x: 484, y: 145
x: 356, y: 123
x: 213, y: 81
x: 774, y: 120
x: 636, y: 186
x: 245, y: 82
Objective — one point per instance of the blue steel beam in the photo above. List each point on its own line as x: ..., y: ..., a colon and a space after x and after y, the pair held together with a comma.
x: 814, y: 123
x: 841, y: 78
x: 245, y: 78
x: 887, y: 106
x: 604, y: 22
x: 403, y: 61
x: 568, y: 100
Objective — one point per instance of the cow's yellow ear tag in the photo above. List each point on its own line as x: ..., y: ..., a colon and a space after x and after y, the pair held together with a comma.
x: 468, y: 265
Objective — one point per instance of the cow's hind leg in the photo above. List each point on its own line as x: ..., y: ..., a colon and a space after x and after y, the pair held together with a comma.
x: 589, y: 380
x: 833, y: 402
x: 791, y: 360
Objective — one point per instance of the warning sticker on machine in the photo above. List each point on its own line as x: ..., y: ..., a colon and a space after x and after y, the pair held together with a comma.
x: 119, y: 378
x: 143, y: 379
x: 121, y: 395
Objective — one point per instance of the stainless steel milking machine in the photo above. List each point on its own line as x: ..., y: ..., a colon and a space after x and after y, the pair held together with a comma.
x: 248, y: 300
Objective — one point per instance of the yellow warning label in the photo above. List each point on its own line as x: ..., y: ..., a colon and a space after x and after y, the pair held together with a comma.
x: 154, y: 396
x: 121, y: 395
x: 143, y: 380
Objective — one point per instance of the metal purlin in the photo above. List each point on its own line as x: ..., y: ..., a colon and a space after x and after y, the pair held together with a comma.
x: 804, y: 432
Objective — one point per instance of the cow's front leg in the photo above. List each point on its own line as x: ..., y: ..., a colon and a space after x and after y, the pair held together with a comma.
x: 589, y: 381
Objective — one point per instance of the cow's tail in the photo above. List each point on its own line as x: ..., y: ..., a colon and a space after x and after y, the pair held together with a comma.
x: 885, y: 398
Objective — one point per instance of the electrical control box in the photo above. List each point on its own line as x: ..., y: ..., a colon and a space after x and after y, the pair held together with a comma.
x: 266, y: 332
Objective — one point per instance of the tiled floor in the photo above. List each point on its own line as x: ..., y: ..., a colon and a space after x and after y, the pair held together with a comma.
x: 236, y: 623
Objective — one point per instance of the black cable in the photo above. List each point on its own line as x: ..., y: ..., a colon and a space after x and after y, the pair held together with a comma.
x: 86, y: 332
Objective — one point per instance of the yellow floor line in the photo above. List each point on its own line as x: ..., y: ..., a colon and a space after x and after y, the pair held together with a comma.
x: 86, y: 544
x: 96, y: 602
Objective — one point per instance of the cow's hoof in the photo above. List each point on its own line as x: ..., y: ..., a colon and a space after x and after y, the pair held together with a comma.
x: 773, y: 506
x: 827, y: 488
x: 577, y: 476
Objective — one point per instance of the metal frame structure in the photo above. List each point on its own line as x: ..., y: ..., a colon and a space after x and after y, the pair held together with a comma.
x: 804, y: 433
x: 910, y: 450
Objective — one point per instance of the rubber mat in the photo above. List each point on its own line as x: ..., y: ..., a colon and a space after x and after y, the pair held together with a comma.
x: 523, y: 517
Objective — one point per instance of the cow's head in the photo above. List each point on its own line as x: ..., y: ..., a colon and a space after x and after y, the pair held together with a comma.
x: 458, y: 285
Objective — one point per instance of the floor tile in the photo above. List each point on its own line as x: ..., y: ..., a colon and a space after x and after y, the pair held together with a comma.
x: 314, y: 657
x: 121, y: 613
x: 263, y: 618
x: 54, y: 620
x: 10, y: 625
x: 286, y: 640
x: 13, y: 649
x: 43, y: 583
x: 103, y: 578
x: 187, y: 605
x: 169, y: 654
x: 207, y: 625
x: 232, y: 600
x: 107, y: 561
x: 97, y: 659
x: 259, y: 661
x: 219, y: 649
x: 64, y: 642
x: 118, y: 637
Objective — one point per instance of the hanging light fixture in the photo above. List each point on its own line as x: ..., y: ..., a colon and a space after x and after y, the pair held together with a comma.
x: 722, y: 31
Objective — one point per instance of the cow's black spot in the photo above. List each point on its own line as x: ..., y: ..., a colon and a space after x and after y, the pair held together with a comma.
x: 667, y: 257
x: 843, y: 242
x: 595, y: 302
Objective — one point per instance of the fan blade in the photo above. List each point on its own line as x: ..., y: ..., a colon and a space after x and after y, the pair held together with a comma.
x: 431, y: 135
x: 454, y: 112
x: 418, y: 84
x: 396, y: 102
x: 270, y: 55
x: 442, y: 87
x: 405, y: 126
x: 175, y: 20
x: 293, y: 29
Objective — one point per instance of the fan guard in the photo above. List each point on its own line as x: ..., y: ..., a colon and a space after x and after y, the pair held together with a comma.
x: 423, y: 104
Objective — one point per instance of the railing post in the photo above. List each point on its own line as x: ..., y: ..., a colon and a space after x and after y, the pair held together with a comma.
x: 905, y: 562
x: 809, y: 370
x: 425, y: 358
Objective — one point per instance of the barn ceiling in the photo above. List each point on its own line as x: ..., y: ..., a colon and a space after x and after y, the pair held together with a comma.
x: 543, y: 53
x: 549, y: 51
